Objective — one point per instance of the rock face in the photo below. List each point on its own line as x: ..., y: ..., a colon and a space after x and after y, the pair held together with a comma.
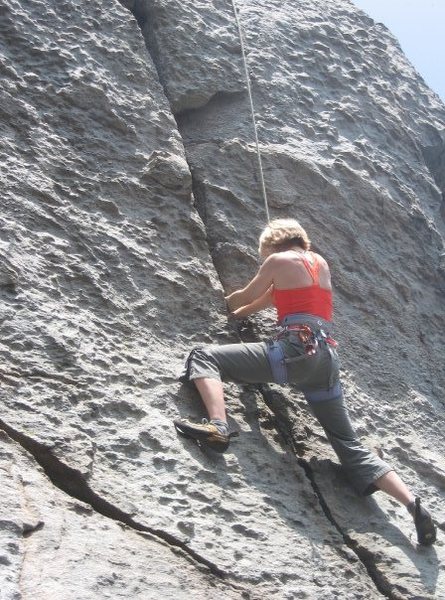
x: 130, y: 203
x: 56, y: 547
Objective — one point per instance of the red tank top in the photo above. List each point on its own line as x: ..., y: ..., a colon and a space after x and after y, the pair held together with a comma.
x: 311, y: 300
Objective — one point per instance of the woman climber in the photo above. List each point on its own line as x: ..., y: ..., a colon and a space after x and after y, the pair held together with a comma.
x: 297, y: 282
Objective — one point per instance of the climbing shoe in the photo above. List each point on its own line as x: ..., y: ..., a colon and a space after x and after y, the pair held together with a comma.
x: 212, y: 434
x: 423, y: 521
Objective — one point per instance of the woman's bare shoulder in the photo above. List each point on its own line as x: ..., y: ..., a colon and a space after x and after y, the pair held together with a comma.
x: 320, y: 258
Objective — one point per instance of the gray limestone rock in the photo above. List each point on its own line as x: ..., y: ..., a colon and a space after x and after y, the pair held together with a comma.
x: 206, y: 49
x: 56, y: 547
x: 130, y: 203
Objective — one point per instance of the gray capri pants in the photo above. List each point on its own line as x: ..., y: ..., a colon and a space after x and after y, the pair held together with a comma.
x: 317, y: 376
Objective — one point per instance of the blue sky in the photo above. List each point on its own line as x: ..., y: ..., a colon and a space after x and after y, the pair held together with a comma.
x: 419, y: 25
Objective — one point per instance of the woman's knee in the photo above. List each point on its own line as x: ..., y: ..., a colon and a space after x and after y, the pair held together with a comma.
x: 202, y: 363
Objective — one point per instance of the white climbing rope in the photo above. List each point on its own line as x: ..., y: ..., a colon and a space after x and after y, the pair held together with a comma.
x: 252, y: 108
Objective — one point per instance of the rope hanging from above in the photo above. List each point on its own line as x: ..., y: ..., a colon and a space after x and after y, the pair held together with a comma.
x: 252, y: 109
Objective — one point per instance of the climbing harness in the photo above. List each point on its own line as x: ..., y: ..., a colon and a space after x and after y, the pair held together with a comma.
x: 252, y: 108
x: 306, y: 336
x: 277, y: 359
x: 277, y: 362
x: 311, y: 340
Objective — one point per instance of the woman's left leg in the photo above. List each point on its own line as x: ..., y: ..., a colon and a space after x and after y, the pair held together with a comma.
x: 239, y: 363
x: 212, y: 395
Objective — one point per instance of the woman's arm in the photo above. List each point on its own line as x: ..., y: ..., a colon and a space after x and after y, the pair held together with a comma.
x: 264, y: 301
x: 255, y: 289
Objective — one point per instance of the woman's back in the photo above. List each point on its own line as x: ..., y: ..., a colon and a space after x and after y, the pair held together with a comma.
x: 302, y: 284
x: 298, y: 269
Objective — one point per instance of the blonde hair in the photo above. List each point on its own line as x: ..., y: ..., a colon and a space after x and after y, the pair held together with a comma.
x: 281, y: 234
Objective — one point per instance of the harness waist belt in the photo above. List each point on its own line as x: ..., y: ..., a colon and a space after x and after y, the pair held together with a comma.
x: 313, y: 321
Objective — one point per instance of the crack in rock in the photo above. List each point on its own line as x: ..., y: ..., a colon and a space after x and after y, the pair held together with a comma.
x: 365, y: 556
x: 151, y: 16
x: 282, y: 428
x: 71, y: 482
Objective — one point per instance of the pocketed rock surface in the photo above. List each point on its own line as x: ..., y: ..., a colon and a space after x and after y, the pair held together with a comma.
x: 54, y: 546
x: 130, y: 204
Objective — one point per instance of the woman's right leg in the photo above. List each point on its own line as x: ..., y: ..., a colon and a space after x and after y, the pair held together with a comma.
x: 362, y: 466
x: 367, y: 471
x: 391, y: 484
